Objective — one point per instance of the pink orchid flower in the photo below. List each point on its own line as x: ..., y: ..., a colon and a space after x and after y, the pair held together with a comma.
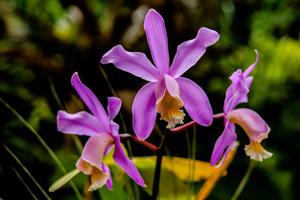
x: 253, y: 124
x: 168, y: 92
x: 103, y: 135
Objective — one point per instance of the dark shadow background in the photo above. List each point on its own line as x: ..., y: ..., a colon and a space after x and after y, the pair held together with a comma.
x: 42, y: 43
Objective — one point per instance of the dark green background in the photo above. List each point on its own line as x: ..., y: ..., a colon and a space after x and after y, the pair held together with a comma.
x: 43, y: 42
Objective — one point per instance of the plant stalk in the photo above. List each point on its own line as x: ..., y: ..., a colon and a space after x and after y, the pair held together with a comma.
x: 159, y: 155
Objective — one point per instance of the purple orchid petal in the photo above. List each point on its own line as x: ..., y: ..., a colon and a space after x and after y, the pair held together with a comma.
x: 195, y: 101
x: 223, y: 144
x: 114, y: 128
x: 248, y: 83
x: 121, y: 160
x: 237, y: 92
x: 109, y: 182
x: 156, y: 33
x: 81, y: 123
x: 251, y: 67
x: 143, y: 111
x: 171, y: 85
x: 160, y: 88
x: 253, y: 124
x: 113, y: 107
x: 135, y: 63
x: 90, y: 100
x: 189, y: 52
x: 95, y: 148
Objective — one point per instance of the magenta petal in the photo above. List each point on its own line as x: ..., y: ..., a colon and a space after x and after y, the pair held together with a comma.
x: 156, y: 33
x: 95, y: 148
x: 114, y: 128
x: 143, y: 111
x: 223, y: 144
x: 90, y: 100
x: 195, y: 101
x: 81, y: 123
x: 109, y: 182
x: 252, y: 123
x: 121, y: 160
x: 113, y: 107
x: 160, y: 88
x: 135, y: 63
x: 171, y: 85
x: 237, y: 92
x: 248, y: 83
x: 251, y: 67
x: 189, y: 52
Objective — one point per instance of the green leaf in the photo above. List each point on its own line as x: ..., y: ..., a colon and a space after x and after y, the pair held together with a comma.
x: 63, y: 180
x: 120, y: 181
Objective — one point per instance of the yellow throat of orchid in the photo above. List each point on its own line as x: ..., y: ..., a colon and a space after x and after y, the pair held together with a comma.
x: 98, y: 177
x: 169, y: 108
x: 256, y: 152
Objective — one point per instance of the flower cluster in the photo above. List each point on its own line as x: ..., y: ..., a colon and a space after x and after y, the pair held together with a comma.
x: 167, y: 93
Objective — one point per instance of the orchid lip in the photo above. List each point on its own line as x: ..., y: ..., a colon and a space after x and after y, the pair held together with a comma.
x: 169, y: 108
x: 256, y: 152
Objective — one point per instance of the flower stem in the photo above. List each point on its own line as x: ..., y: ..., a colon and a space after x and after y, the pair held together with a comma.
x: 183, y: 127
x: 191, y: 123
x: 218, y: 115
x: 243, y: 181
x: 156, y: 179
x: 150, y: 146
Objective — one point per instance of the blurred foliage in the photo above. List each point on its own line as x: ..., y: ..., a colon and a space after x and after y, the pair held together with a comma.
x: 43, y: 42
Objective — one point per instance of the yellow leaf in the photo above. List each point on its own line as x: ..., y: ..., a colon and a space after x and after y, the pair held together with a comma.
x: 185, y: 169
x: 188, y: 169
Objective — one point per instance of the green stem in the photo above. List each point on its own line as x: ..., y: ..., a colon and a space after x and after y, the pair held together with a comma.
x: 114, y: 94
x: 156, y: 179
x: 135, y: 187
x: 194, y: 150
x: 155, y: 187
x: 27, y: 172
x: 189, y: 167
x: 54, y: 93
x: 43, y: 143
x: 58, y: 101
x: 24, y: 183
x: 243, y: 181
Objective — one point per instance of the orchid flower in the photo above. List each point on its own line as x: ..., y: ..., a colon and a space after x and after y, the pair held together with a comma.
x: 167, y: 91
x: 103, y: 135
x: 253, y: 124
